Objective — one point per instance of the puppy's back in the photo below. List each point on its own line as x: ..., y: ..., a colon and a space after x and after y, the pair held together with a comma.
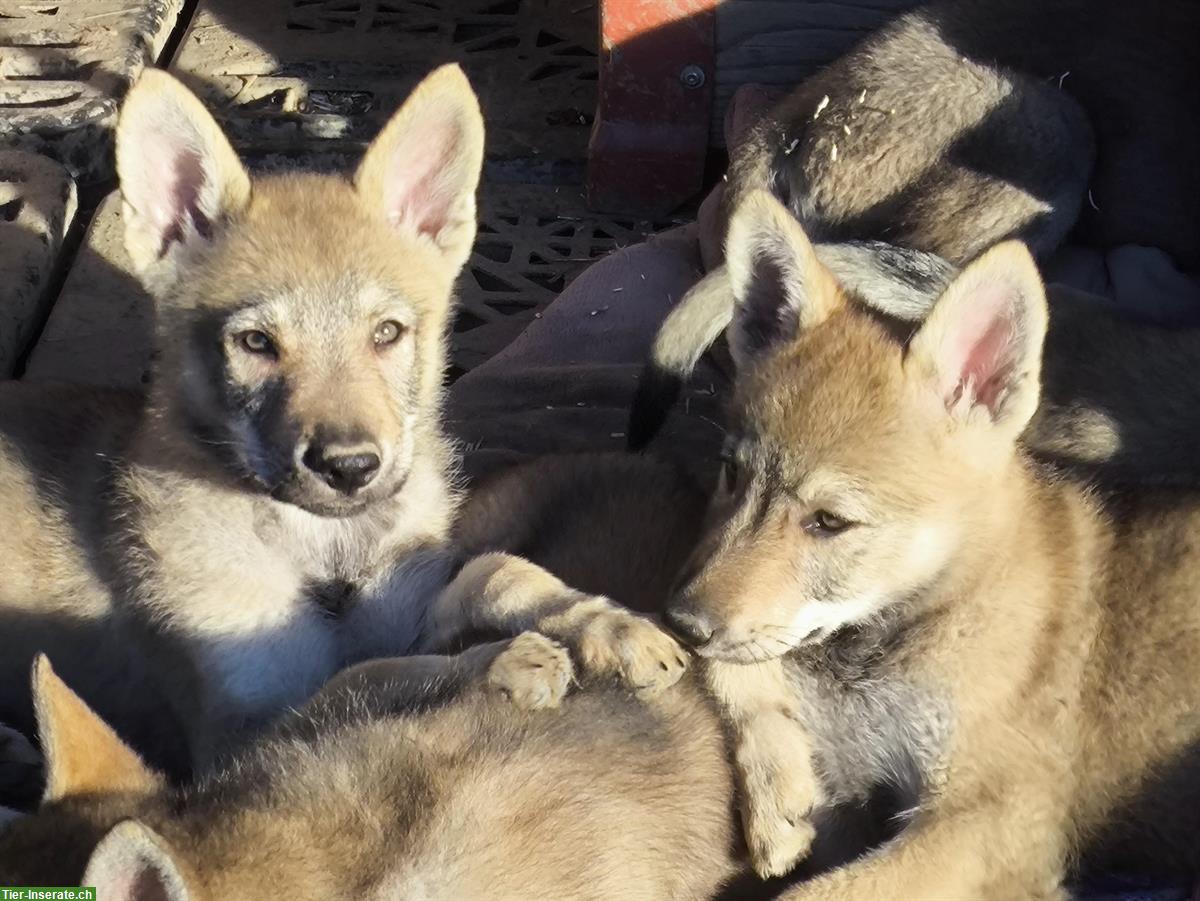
x: 606, y: 797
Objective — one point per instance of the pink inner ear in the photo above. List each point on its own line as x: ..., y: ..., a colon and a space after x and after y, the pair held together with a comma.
x: 988, y: 363
x: 175, y: 179
x: 416, y: 201
x: 982, y: 349
x: 419, y: 192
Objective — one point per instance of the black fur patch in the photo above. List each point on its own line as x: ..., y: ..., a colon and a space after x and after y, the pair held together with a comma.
x: 923, y: 272
x: 766, y: 315
x: 333, y: 596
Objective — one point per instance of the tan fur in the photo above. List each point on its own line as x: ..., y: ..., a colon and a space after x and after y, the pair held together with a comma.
x: 1013, y: 655
x: 182, y: 554
x: 961, y: 123
x: 777, y: 800
x: 83, y: 754
x: 281, y: 504
x: 411, y: 778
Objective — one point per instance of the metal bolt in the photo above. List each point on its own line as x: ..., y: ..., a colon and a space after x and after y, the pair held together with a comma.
x: 692, y: 77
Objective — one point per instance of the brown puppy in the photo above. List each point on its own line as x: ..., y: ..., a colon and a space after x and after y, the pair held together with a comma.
x: 965, y: 122
x: 408, y: 779
x: 890, y: 593
x: 281, y: 504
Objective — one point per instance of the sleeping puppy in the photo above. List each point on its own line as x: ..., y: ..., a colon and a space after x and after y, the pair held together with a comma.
x: 409, y: 779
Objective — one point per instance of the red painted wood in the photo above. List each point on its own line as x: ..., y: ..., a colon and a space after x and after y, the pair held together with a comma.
x: 650, y: 138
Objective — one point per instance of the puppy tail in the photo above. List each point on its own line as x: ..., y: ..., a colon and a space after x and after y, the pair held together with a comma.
x: 690, y: 329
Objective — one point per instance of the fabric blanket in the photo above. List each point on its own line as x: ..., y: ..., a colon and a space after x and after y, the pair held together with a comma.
x: 565, y: 383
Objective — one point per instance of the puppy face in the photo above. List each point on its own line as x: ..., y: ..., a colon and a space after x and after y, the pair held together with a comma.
x: 856, y: 462
x: 302, y: 319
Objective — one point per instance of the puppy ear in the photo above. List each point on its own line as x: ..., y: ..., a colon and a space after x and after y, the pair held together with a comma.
x: 422, y: 171
x: 980, y: 350
x: 779, y: 286
x: 134, y: 863
x: 179, y: 176
x: 83, y: 754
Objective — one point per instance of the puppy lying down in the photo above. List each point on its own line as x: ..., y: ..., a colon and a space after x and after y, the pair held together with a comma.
x: 406, y: 779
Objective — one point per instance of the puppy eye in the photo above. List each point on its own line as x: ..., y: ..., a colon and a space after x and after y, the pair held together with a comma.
x: 824, y: 524
x: 388, y: 332
x: 257, y: 342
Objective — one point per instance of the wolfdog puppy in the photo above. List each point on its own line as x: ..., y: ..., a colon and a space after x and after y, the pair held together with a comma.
x: 281, y: 505
x: 891, y: 592
x: 965, y: 122
x: 410, y: 778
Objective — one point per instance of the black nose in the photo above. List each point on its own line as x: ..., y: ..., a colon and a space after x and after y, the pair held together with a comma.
x: 346, y: 470
x: 692, y: 628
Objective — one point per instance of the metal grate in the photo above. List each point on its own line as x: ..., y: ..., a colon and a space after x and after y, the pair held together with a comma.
x: 533, y: 241
x: 303, y: 73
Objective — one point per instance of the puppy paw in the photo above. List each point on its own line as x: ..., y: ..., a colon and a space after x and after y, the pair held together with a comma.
x: 533, y: 672
x: 615, y: 641
x: 779, y: 790
x: 777, y: 842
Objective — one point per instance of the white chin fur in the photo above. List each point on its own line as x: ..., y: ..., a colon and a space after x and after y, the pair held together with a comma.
x: 819, y: 620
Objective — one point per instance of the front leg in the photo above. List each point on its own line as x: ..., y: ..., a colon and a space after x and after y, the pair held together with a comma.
x: 387, y: 617
x: 991, y: 843
x: 773, y: 754
x: 531, y: 670
x: 510, y: 594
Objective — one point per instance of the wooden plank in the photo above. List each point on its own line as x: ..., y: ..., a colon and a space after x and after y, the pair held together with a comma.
x: 64, y: 66
x: 37, y: 207
x: 650, y: 140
